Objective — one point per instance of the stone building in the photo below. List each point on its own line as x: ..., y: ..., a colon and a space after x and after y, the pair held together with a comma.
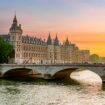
x: 83, y: 56
x: 30, y: 49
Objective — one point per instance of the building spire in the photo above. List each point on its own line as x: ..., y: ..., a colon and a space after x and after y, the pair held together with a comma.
x: 15, y: 18
x: 56, y: 41
x: 67, y: 39
x: 67, y: 42
x: 56, y: 36
x: 49, y: 40
x: 15, y: 25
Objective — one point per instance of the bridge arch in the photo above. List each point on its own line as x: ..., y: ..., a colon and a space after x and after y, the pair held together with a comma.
x: 64, y: 73
x: 18, y: 72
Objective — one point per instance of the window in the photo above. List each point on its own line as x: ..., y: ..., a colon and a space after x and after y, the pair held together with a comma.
x: 13, y: 38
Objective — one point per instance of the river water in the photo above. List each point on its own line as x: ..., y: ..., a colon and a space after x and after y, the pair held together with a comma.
x: 37, y: 92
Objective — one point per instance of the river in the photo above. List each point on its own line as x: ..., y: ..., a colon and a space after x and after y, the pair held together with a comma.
x: 38, y: 92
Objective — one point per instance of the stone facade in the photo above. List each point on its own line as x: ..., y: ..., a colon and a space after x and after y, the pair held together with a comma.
x: 36, y: 50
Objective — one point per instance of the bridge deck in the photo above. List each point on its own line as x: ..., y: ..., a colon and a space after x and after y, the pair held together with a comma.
x: 90, y: 65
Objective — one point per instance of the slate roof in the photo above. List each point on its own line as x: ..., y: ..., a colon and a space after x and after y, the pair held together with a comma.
x: 26, y: 39
x: 33, y: 40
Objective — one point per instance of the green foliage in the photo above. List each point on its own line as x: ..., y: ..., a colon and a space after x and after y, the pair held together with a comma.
x: 5, y: 50
x: 94, y: 58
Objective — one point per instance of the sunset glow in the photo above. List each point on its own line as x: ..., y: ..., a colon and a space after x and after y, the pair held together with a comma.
x: 82, y: 21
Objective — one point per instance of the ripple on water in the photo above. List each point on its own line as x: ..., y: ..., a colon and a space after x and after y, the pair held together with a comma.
x: 51, y: 94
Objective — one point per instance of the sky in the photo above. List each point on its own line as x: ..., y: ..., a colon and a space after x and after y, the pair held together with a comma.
x: 82, y: 21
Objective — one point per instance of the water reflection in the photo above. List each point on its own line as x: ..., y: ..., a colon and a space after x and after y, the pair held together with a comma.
x: 37, y: 92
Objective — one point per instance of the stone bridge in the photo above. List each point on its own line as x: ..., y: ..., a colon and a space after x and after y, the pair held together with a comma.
x: 49, y: 71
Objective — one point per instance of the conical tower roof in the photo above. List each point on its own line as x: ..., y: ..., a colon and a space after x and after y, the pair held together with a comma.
x: 15, y: 19
x: 49, y: 40
x: 67, y: 42
x: 15, y: 25
x: 56, y: 41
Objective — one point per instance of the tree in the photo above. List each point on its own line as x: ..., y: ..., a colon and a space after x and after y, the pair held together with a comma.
x: 94, y: 58
x: 5, y: 50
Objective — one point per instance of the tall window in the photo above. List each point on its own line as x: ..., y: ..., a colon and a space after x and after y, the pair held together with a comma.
x: 13, y: 37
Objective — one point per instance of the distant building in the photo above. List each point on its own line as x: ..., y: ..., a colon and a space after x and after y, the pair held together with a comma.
x: 36, y: 50
x: 83, y: 56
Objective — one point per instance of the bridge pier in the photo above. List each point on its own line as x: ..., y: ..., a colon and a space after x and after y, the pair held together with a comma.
x: 47, y: 76
x: 1, y: 75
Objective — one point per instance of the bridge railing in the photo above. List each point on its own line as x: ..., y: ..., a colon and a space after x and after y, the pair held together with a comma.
x: 68, y: 64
